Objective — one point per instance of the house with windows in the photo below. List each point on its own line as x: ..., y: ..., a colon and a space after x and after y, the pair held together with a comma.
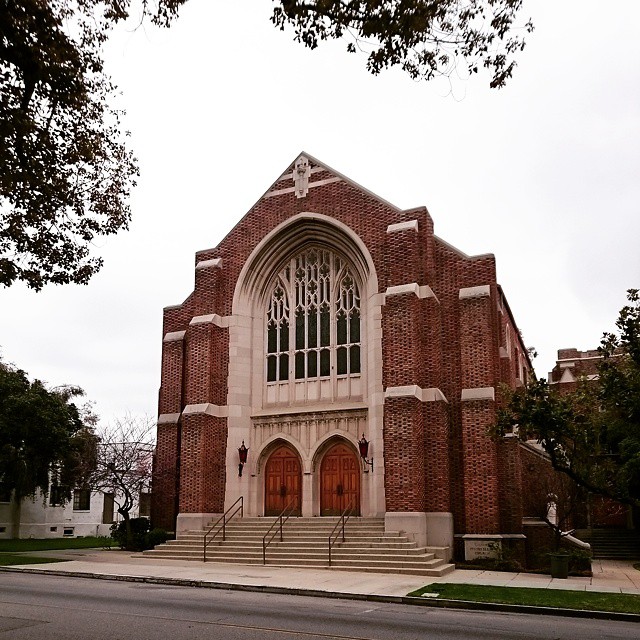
x: 336, y: 355
x: 63, y: 513
x: 81, y: 512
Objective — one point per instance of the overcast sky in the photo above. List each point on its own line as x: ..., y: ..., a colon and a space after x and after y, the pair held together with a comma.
x: 545, y: 174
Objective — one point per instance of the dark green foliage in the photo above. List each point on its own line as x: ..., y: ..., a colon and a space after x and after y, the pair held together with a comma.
x: 424, y: 38
x: 44, y: 436
x: 131, y: 534
x: 134, y: 534
x: 593, y: 434
x: 155, y: 537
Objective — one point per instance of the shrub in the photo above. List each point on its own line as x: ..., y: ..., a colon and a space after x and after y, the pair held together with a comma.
x: 155, y: 537
x: 141, y: 537
x: 580, y: 562
x: 139, y: 527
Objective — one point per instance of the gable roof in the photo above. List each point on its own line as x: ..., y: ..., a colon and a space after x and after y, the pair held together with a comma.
x: 323, y: 174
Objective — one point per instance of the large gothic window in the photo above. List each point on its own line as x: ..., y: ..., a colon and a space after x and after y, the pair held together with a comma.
x: 313, y: 319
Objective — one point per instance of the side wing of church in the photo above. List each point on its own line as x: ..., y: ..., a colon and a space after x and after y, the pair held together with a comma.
x: 325, y: 321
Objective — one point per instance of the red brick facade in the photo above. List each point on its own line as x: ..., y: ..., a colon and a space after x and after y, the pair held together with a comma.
x: 437, y: 339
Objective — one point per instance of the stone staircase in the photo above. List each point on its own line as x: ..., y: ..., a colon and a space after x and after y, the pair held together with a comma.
x: 610, y: 543
x: 305, y: 545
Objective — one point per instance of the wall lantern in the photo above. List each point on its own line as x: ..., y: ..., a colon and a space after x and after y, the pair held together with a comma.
x: 242, y: 454
x: 363, y: 445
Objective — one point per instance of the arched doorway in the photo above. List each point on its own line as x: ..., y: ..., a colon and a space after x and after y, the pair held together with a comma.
x: 283, y: 482
x: 339, y: 481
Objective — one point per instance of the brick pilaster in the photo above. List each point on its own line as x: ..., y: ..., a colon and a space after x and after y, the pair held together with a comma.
x: 165, y: 477
x: 404, y: 477
x: 202, y: 468
x: 478, y: 355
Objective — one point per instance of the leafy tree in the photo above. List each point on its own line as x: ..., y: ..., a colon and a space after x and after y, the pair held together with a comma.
x: 426, y: 38
x: 124, y: 464
x: 592, y: 434
x: 66, y: 172
x: 44, y: 436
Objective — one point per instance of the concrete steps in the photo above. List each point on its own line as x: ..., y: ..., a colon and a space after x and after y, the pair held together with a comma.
x: 367, y: 547
x: 611, y: 543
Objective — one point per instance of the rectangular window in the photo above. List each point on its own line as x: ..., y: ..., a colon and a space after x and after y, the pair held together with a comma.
x: 342, y: 361
x: 145, y: 504
x: 284, y: 336
x: 284, y: 367
x: 313, y: 329
x: 325, y: 367
x: 299, y: 365
x: 272, y: 362
x: 58, y: 495
x: 5, y: 492
x: 325, y: 333
x: 107, y: 509
x: 81, y: 499
x: 312, y: 364
x: 272, y: 340
x: 354, y: 359
x: 300, y: 330
x: 354, y: 323
x: 342, y: 329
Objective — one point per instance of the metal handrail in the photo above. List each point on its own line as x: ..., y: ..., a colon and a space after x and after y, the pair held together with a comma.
x: 290, y: 508
x: 342, y: 521
x: 225, y: 518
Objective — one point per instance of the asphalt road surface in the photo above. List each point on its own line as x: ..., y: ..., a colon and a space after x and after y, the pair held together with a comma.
x: 39, y: 607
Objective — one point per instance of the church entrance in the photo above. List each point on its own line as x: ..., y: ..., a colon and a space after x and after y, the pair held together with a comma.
x: 339, y: 481
x: 283, y: 482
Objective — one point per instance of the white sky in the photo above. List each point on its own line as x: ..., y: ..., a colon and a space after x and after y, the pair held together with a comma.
x: 544, y: 174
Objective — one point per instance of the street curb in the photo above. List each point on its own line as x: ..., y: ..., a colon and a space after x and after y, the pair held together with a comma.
x: 314, y: 593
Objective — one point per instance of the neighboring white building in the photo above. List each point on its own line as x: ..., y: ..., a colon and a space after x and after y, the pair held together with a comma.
x: 87, y: 513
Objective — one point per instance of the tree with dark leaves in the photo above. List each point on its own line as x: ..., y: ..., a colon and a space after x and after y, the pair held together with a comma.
x: 45, y: 438
x: 591, y: 434
x: 426, y: 38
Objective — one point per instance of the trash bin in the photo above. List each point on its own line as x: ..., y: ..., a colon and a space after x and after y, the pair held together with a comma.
x: 559, y: 565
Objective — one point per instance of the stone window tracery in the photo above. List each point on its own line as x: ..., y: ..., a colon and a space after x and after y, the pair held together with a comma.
x: 313, y: 319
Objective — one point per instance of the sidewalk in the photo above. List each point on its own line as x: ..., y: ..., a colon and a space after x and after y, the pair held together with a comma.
x: 608, y: 575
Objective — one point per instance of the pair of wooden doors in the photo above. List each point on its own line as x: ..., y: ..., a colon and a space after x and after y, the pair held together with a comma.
x: 339, y: 481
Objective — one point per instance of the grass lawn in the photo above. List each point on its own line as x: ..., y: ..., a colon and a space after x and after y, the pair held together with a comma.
x: 8, y: 559
x: 54, y: 543
x: 593, y: 601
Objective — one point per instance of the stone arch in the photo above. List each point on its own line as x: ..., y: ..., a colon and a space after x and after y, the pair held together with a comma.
x: 252, y: 395
x: 271, y: 445
x: 323, y: 445
x: 292, y: 236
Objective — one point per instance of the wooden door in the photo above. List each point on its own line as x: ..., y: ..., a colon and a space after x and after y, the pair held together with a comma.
x: 339, y: 481
x: 283, y: 482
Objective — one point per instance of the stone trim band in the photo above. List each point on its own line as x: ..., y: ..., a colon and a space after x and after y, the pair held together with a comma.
x: 431, y: 394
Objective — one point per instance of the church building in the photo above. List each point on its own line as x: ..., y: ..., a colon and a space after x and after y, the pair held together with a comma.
x: 337, y: 355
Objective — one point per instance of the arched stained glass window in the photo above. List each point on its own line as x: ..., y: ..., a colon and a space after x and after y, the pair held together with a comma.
x: 313, y: 319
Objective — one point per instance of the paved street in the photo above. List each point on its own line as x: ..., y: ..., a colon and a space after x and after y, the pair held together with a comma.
x: 35, y: 607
